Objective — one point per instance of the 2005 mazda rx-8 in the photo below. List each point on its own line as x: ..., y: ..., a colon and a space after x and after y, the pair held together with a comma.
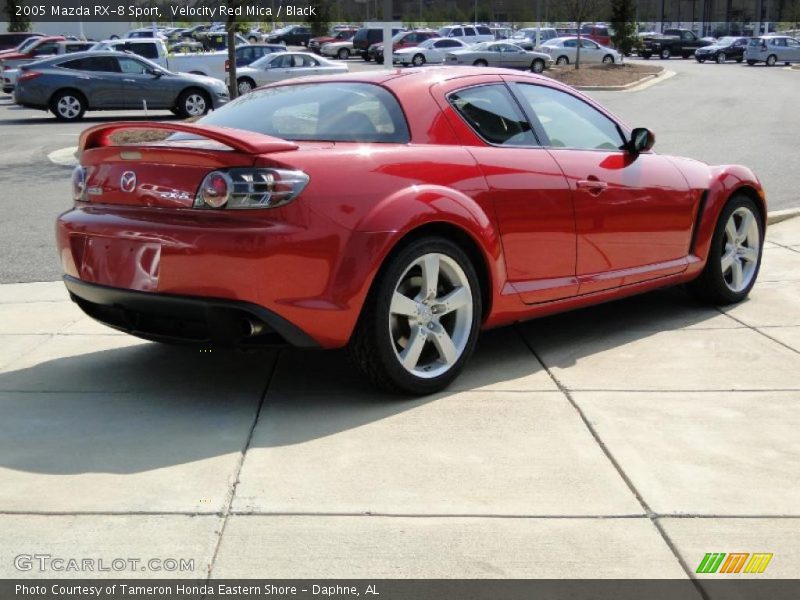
x: 395, y: 213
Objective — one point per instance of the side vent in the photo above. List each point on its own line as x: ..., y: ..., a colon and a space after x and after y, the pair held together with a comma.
x: 701, y: 206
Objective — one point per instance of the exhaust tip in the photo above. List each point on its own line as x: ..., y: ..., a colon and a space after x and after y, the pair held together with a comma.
x: 253, y: 328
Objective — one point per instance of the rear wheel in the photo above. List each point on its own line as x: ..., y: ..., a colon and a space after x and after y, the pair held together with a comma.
x: 734, y: 256
x: 418, y: 60
x: 245, y: 85
x: 771, y: 60
x: 740, y: 59
x: 420, y: 322
x: 343, y: 53
x: 68, y: 105
x: 562, y: 60
x: 480, y: 63
x: 665, y: 53
x: 193, y: 103
x: 721, y: 58
x: 608, y: 59
x: 537, y: 66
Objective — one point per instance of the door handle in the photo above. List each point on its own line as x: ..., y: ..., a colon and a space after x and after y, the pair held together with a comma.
x: 593, y: 185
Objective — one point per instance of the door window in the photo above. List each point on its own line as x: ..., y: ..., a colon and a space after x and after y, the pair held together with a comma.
x: 132, y: 67
x: 492, y: 113
x: 570, y: 122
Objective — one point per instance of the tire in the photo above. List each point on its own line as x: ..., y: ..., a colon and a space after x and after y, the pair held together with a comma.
x: 646, y: 56
x: 608, y: 59
x: 480, y: 63
x: 68, y: 105
x: 562, y: 60
x: 685, y: 56
x: 418, y: 60
x: 771, y: 60
x: 366, y: 57
x: 384, y: 336
x: 537, y: 66
x: 717, y: 284
x: 738, y: 60
x: 343, y: 53
x: 245, y: 85
x: 751, y: 62
x: 721, y: 58
x: 665, y: 53
x: 190, y: 105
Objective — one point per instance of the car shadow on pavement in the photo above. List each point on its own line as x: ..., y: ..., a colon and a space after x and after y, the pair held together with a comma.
x: 135, y: 407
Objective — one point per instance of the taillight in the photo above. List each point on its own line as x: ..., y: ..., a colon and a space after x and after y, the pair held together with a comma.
x: 79, y: 184
x: 28, y: 75
x: 250, y: 188
x: 227, y: 65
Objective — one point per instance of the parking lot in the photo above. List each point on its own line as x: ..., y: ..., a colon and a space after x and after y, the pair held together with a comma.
x: 621, y: 441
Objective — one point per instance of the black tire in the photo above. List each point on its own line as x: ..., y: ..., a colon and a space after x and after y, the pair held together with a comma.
x: 740, y: 59
x: 418, y: 60
x: 665, y: 54
x: 372, y: 349
x: 365, y: 56
x: 184, y: 100
x: 608, y: 59
x: 68, y: 105
x: 245, y: 85
x: 537, y: 66
x: 771, y: 60
x: 721, y: 58
x: 562, y: 60
x: 646, y: 55
x: 751, y: 62
x: 710, y: 286
x: 480, y: 63
x: 343, y: 53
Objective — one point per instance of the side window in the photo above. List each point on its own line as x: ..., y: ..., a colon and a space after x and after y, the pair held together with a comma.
x: 570, y: 122
x: 484, y: 31
x: 131, y: 67
x: 49, y: 48
x: 457, y: 32
x: 469, y: 31
x: 144, y: 49
x: 570, y: 43
x: 309, y: 61
x: 492, y: 113
x: 588, y: 44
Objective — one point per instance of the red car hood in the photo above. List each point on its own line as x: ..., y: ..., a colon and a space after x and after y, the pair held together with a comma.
x: 11, y: 55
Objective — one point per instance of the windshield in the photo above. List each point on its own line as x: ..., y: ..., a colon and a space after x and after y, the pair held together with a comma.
x: 328, y: 111
x: 444, y: 31
x: 726, y: 41
x: 27, y: 44
x: 428, y: 43
x: 523, y: 33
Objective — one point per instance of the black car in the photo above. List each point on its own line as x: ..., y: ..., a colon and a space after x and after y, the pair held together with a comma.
x: 724, y: 49
x: 673, y: 42
x: 365, y: 37
x: 295, y: 35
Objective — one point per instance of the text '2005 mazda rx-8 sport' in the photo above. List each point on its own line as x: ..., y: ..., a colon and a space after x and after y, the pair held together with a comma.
x: 396, y: 214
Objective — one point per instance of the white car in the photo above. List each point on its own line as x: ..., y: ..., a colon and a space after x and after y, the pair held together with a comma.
x: 342, y: 50
x: 471, y: 34
x: 284, y: 65
x: 431, y: 51
x: 565, y: 49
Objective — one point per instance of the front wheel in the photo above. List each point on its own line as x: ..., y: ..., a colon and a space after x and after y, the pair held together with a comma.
x: 665, y: 54
x: 418, y: 60
x: 734, y: 256
x: 480, y: 63
x: 68, y: 106
x: 245, y: 85
x: 771, y: 60
x: 562, y: 60
x: 721, y: 58
x: 537, y: 66
x: 193, y: 103
x: 421, y: 319
x: 343, y: 53
x: 608, y: 59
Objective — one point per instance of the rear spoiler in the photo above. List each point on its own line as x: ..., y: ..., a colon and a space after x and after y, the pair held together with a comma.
x: 247, y: 142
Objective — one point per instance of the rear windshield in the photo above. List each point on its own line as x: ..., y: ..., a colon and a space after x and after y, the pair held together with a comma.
x: 330, y: 111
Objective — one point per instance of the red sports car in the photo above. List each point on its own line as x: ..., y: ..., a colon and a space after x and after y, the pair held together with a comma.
x: 397, y: 214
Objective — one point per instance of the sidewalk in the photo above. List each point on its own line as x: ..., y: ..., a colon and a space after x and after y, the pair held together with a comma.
x: 625, y: 440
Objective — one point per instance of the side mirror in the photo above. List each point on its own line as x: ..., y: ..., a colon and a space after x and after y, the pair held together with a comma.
x: 642, y: 140
x: 156, y: 73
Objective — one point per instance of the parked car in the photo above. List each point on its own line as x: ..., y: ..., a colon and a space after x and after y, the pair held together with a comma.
x: 43, y: 46
x: 70, y: 85
x: 284, y: 65
x: 499, y: 54
x: 431, y: 51
x: 772, y: 49
x: 724, y: 49
x: 470, y: 34
x: 248, y: 54
x: 341, y: 50
x: 342, y: 35
x: 598, y: 33
x: 217, y: 41
x: 526, y: 38
x: 293, y: 35
x: 673, y: 42
x: 501, y: 33
x: 11, y: 41
x: 442, y: 209
x: 145, y: 32
x: 402, y: 39
x: 564, y: 51
x: 9, y: 75
x: 365, y: 37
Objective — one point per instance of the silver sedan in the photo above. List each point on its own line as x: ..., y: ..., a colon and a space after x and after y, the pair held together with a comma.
x: 499, y: 54
x: 284, y: 65
x: 564, y: 51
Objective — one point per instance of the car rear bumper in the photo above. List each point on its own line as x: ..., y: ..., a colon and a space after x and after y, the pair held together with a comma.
x: 185, y: 319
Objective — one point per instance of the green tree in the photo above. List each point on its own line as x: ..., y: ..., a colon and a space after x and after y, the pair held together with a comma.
x: 321, y: 20
x: 623, y: 22
x: 581, y: 11
x: 16, y: 23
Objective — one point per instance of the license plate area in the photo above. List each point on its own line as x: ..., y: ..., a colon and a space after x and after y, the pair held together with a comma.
x: 121, y: 262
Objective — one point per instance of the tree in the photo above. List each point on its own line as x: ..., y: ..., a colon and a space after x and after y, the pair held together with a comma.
x: 16, y: 23
x: 623, y: 21
x: 580, y: 11
x: 320, y: 20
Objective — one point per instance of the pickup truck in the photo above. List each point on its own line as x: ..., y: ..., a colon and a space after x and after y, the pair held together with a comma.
x: 211, y: 64
x: 673, y: 42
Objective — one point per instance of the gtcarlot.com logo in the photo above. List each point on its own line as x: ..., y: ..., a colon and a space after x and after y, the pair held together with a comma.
x: 60, y: 564
x: 734, y: 562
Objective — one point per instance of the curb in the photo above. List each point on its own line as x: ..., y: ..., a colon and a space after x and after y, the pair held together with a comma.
x: 644, y: 82
x: 64, y: 157
x: 776, y: 216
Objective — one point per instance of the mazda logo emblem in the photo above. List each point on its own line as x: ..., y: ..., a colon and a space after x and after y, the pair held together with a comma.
x: 127, y: 182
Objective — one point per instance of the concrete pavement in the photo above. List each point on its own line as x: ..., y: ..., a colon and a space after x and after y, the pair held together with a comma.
x: 625, y: 440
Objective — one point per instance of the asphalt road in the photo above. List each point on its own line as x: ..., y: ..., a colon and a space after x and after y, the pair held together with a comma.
x: 716, y: 113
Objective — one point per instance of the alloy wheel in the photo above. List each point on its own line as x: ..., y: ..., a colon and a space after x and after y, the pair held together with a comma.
x: 430, y: 316
x: 418, y: 60
x: 244, y: 86
x: 721, y: 58
x: 69, y: 107
x: 742, y: 245
x: 608, y: 59
x: 195, y: 105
